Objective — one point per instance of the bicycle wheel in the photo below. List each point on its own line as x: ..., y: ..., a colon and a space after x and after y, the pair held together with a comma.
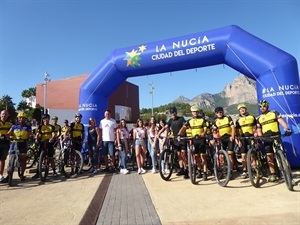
x: 166, y: 165
x: 43, y: 166
x: 11, y: 168
x: 285, y: 169
x: 222, y: 168
x: 254, y: 167
x: 30, y: 158
x: 87, y: 164
x: 192, y: 166
x: 72, y: 163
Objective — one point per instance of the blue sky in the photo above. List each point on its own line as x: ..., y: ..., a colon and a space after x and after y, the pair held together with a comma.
x: 70, y: 38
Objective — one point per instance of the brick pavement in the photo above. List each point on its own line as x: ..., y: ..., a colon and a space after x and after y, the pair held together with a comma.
x: 127, y: 202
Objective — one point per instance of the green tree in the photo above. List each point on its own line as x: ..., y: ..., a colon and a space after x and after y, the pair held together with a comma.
x: 7, y: 103
x: 30, y: 94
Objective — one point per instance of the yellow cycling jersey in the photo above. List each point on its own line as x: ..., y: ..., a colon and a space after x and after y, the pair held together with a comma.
x: 77, y: 129
x: 46, y: 131
x: 208, y: 125
x: 224, y: 125
x: 245, y: 124
x: 269, y: 122
x: 64, y: 130
x: 4, y: 127
x: 20, y: 132
x: 197, y: 126
x: 188, y: 132
x: 57, y: 129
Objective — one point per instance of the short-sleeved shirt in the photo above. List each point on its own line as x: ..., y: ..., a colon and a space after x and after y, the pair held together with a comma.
x: 269, y: 123
x: 245, y: 125
x: 176, y: 124
x: 197, y: 126
x: 108, y: 127
x: 224, y: 125
x: 4, y: 127
x: 20, y: 132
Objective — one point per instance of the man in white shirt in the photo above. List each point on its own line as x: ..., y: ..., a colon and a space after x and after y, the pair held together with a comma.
x: 108, y: 127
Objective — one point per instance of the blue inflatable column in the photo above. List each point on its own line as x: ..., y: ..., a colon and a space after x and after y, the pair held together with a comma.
x: 280, y: 87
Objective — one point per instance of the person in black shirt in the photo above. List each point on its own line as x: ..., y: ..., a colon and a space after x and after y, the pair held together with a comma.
x: 176, y: 124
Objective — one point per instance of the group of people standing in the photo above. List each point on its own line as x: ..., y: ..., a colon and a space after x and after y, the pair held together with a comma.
x: 146, y: 138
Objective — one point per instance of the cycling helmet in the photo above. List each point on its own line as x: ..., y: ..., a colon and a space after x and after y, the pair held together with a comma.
x: 78, y: 115
x: 173, y: 110
x: 219, y: 109
x: 45, y: 116
x: 241, y: 106
x: 195, y: 108
x: 264, y: 103
x: 54, y: 118
x: 22, y: 114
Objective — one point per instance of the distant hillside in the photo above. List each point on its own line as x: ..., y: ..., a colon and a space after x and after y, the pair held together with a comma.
x: 241, y: 90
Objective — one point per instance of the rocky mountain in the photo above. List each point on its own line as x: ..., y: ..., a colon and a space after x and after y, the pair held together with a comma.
x: 241, y: 90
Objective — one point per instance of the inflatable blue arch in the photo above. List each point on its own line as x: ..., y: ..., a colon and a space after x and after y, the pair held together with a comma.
x: 275, y: 71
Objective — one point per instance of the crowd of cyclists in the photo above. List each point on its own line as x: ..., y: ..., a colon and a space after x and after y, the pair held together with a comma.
x: 146, y: 140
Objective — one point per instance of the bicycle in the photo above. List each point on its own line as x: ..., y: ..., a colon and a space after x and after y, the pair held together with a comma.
x: 13, y: 164
x: 168, y: 161
x: 44, y: 161
x: 281, y: 161
x: 222, y: 164
x: 192, y: 164
x: 32, y: 154
x: 87, y: 162
x: 257, y: 165
x: 71, y: 160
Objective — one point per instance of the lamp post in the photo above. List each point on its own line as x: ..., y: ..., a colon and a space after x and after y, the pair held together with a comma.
x: 151, y: 92
x: 46, y: 80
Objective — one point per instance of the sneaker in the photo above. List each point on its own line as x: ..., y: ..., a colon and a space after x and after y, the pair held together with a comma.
x: 95, y: 171
x: 122, y: 171
x: 1, y: 177
x: 205, y: 176
x: 153, y: 170
x: 272, y: 178
x: 35, y: 176
x: 22, y: 178
x: 244, y: 175
x: 4, y: 180
x: 125, y: 171
x: 167, y: 171
x: 143, y: 171
x: 139, y: 170
x: 180, y: 173
x: 54, y: 174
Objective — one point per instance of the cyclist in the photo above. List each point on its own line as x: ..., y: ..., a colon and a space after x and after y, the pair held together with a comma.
x: 46, y: 134
x: 176, y: 124
x: 5, y: 125
x: 198, y: 130
x: 19, y: 135
x: 225, y: 127
x: 64, y: 131
x: 245, y: 127
x: 268, y: 125
x: 76, y: 132
x: 56, y: 126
